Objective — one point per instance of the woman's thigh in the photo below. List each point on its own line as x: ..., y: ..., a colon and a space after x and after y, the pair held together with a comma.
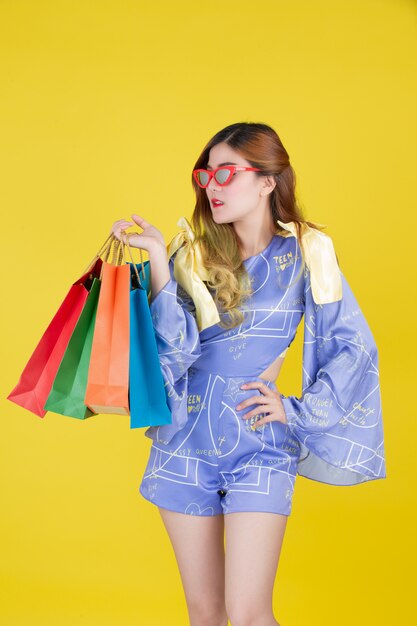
x: 253, y: 547
x: 198, y: 543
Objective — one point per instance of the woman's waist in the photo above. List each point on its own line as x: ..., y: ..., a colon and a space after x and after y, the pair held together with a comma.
x: 201, y: 380
x: 240, y: 361
x: 247, y: 372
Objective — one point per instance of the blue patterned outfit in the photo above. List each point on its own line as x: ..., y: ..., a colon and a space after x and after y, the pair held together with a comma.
x: 209, y: 460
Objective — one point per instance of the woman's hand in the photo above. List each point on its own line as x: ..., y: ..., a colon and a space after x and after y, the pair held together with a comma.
x: 271, y: 403
x: 148, y: 240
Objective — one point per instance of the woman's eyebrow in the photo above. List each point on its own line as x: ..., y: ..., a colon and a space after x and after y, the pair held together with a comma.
x: 220, y: 164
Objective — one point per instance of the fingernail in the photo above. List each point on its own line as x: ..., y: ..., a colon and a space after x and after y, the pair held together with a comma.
x: 243, y: 386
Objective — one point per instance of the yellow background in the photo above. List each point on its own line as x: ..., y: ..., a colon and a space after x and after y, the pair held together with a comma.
x: 104, y: 107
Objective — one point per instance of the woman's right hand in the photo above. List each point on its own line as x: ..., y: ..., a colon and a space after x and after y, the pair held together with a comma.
x: 148, y: 240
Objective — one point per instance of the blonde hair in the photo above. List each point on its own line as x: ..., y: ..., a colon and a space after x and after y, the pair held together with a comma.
x: 260, y: 145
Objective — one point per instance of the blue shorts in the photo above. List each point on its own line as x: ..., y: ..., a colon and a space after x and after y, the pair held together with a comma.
x: 217, y: 464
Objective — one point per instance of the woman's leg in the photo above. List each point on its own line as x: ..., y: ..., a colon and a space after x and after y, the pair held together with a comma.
x: 198, y: 543
x: 253, y: 547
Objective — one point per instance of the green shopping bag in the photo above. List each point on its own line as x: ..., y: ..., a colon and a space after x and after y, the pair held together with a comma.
x: 68, y: 390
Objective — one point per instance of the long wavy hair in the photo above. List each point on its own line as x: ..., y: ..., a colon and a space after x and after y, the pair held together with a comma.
x: 228, y: 279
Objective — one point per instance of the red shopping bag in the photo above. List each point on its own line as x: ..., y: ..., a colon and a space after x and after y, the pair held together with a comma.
x: 36, y: 380
x: 108, y: 373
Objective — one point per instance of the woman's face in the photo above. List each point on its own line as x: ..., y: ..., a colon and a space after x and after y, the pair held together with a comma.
x: 242, y: 195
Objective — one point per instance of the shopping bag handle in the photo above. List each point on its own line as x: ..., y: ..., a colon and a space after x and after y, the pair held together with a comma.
x: 105, y: 249
x: 131, y: 256
x: 118, y: 254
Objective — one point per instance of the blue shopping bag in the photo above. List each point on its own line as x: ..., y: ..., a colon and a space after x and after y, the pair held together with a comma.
x: 147, y: 397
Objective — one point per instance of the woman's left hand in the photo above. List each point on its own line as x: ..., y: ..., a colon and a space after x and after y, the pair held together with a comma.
x: 270, y: 400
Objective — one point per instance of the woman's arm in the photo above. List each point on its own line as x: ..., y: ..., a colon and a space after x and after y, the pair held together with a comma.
x: 339, y: 415
x: 160, y: 274
x: 173, y: 318
x: 172, y: 309
x: 178, y: 340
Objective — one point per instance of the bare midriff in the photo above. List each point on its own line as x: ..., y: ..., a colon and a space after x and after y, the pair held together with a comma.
x: 272, y: 371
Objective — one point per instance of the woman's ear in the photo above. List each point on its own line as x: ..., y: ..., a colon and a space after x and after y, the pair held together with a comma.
x: 268, y: 185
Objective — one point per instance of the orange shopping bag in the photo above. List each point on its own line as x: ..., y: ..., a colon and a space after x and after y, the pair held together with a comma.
x: 108, y: 373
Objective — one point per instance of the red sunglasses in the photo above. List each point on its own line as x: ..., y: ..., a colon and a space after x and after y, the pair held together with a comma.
x: 222, y: 175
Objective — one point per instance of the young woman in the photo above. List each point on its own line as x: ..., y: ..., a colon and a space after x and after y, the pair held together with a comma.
x: 227, y: 297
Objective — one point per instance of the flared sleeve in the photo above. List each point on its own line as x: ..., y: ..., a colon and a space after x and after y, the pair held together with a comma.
x: 338, y: 419
x: 182, y: 309
x: 173, y: 315
x: 177, y: 336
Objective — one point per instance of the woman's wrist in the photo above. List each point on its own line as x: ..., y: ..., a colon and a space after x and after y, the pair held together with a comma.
x: 160, y: 274
x: 157, y: 249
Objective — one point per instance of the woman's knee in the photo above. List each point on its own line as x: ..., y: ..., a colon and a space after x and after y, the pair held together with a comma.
x: 204, y: 611
x: 242, y: 614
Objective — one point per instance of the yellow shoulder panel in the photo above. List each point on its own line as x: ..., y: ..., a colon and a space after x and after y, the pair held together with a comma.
x: 190, y: 273
x: 320, y: 256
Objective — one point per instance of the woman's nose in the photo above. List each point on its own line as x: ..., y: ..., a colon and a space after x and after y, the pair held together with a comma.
x: 214, y: 189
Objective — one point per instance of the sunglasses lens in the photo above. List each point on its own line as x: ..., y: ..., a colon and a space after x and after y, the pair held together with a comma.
x: 202, y: 178
x: 222, y: 175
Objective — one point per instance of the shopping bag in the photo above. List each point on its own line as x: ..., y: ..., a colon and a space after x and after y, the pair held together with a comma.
x: 68, y: 390
x: 107, y: 388
x: 36, y: 380
x: 147, y: 398
x: 145, y: 276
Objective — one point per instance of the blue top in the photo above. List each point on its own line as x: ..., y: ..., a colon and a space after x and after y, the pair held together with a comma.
x: 338, y: 418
